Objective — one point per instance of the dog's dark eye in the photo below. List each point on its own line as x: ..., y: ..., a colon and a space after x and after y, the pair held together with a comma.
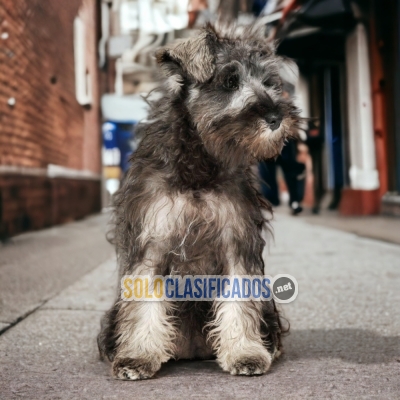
x: 269, y: 83
x: 232, y: 82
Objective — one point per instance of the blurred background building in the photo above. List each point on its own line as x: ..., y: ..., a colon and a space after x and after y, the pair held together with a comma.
x: 50, y: 160
x: 72, y: 76
x: 348, y: 54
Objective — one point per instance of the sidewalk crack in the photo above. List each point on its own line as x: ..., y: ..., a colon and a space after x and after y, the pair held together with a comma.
x: 22, y: 317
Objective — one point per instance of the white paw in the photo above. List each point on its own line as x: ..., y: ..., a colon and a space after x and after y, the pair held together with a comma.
x: 254, y: 365
x: 134, y: 369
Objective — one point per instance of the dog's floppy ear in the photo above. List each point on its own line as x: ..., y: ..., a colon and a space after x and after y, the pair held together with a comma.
x: 193, y: 57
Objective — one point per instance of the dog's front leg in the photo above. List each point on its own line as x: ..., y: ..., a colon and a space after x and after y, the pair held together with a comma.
x: 236, y: 338
x: 235, y: 331
x: 146, y: 336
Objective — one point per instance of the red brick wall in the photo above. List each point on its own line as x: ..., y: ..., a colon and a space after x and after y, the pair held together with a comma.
x: 46, y: 125
x: 30, y: 203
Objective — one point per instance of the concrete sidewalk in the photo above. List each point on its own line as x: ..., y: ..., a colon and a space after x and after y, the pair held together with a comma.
x: 380, y: 227
x: 36, y: 266
x: 344, y: 340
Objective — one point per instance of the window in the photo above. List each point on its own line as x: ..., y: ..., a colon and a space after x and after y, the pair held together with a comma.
x: 83, y: 84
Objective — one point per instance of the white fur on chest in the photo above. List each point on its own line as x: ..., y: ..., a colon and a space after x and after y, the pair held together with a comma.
x: 177, y: 215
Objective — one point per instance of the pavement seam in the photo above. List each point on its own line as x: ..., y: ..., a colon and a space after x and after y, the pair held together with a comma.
x: 22, y: 317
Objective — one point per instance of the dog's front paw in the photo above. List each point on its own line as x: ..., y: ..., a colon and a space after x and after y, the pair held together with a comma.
x: 256, y: 365
x: 134, y: 369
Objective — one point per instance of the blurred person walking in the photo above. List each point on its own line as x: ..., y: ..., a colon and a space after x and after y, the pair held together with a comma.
x: 315, y: 143
x: 293, y: 171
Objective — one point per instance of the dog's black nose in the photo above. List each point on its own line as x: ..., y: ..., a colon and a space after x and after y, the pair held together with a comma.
x: 274, y: 121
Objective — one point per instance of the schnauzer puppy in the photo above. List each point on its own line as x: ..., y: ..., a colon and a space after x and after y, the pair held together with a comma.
x: 188, y: 206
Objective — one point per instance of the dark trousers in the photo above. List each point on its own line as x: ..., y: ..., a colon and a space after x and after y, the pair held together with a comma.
x: 316, y: 154
x: 291, y: 172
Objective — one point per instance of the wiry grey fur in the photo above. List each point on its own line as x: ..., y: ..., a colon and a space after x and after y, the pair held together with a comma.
x: 188, y: 205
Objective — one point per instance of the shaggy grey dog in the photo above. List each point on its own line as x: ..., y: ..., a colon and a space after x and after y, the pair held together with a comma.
x: 188, y: 206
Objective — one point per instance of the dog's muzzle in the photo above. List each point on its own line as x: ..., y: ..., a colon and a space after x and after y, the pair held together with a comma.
x: 273, y: 120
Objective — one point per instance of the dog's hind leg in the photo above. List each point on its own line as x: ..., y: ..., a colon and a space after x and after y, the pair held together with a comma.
x: 271, y: 328
x: 106, y: 339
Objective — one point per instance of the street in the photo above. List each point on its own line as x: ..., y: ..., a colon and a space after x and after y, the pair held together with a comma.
x: 344, y: 340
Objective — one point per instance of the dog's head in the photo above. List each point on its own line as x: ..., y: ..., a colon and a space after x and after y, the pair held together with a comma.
x: 230, y: 83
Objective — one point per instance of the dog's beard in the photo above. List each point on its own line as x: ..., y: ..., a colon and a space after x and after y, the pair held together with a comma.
x: 268, y: 143
x: 246, y: 142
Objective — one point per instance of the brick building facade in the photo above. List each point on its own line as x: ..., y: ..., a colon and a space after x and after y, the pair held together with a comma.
x: 49, y: 143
